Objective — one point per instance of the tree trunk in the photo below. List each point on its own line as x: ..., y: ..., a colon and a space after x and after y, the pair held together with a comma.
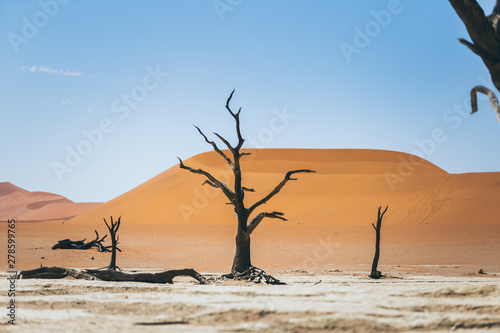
x: 241, y: 260
x: 375, y: 274
x: 112, y: 264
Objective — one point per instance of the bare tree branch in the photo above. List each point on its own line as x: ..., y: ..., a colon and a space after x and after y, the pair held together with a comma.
x: 278, y: 188
x: 114, y: 225
x: 240, y: 138
x: 491, y: 96
x: 214, y: 145
x: 228, y: 145
x: 214, y: 181
x: 208, y: 182
x: 98, y: 242
x: 227, y: 103
x: 236, y: 117
x: 258, y: 218
x: 67, y: 244
x: 381, y: 216
x: 484, y: 32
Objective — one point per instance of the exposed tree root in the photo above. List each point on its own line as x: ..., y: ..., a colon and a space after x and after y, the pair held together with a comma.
x: 110, y: 275
x: 253, y: 274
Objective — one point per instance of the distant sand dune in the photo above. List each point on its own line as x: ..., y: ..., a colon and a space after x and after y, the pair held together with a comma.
x: 17, y: 203
x: 346, y: 190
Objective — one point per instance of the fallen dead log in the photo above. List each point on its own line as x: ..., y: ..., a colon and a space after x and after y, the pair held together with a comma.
x: 68, y: 244
x: 109, y: 275
x: 54, y: 273
x: 162, y: 277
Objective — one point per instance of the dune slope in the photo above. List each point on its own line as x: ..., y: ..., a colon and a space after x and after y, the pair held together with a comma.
x: 17, y: 203
x: 347, y: 188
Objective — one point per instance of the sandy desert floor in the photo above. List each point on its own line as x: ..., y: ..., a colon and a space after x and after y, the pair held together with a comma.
x: 433, y: 283
x: 276, y: 247
x: 308, y: 303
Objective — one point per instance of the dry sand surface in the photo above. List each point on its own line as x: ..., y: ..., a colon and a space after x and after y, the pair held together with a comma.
x: 439, y: 249
x: 320, y: 303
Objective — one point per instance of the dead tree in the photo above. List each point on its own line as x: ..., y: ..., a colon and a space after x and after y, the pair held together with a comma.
x: 242, y: 267
x: 109, y: 275
x: 375, y: 274
x: 113, y: 228
x: 67, y: 244
x: 484, y: 32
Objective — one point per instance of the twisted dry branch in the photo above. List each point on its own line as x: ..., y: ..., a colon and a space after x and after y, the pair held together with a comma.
x: 212, y: 181
x: 275, y: 191
x: 491, y: 96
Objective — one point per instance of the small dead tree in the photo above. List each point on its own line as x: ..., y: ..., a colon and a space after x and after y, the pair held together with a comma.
x: 242, y: 267
x: 375, y: 274
x: 113, y: 228
x: 484, y: 32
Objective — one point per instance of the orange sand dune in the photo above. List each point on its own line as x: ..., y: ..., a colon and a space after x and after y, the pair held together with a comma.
x: 346, y: 189
x: 22, y: 205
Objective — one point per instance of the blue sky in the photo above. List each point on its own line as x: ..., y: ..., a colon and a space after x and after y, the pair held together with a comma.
x: 120, y: 84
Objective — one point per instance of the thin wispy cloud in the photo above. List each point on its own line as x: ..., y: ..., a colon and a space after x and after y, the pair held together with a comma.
x: 55, y: 71
x: 67, y: 101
